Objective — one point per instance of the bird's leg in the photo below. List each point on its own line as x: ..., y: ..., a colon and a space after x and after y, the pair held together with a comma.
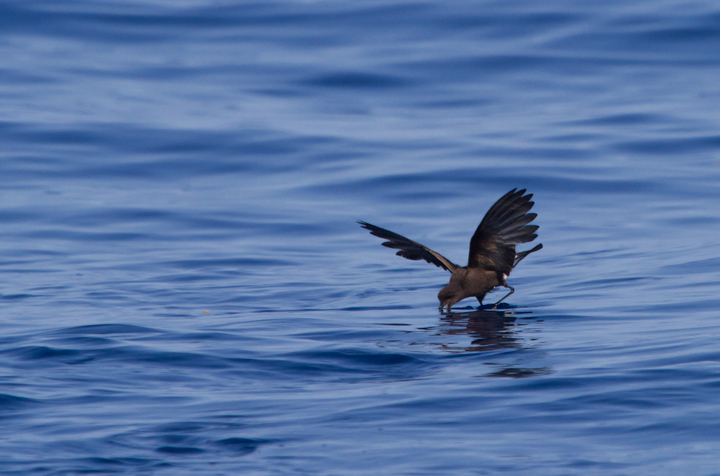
x: 512, y: 290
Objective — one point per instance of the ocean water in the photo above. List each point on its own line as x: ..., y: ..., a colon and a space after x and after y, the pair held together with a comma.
x: 184, y: 288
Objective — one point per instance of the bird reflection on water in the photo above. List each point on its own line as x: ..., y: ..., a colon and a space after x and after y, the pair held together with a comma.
x: 491, y: 330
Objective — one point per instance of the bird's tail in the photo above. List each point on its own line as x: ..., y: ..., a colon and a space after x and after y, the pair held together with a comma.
x: 521, y: 255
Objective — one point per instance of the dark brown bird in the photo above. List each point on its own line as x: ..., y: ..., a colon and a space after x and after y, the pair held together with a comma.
x: 492, y: 250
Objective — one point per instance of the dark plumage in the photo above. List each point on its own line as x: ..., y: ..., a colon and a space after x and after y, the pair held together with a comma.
x: 492, y: 249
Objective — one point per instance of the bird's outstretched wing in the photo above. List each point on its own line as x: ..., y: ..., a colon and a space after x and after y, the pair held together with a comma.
x: 504, y: 226
x: 408, y: 248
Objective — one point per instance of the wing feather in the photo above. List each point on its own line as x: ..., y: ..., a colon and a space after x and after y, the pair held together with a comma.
x: 505, y: 225
x: 408, y: 248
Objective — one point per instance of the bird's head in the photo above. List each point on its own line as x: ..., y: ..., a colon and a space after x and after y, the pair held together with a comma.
x: 449, y: 295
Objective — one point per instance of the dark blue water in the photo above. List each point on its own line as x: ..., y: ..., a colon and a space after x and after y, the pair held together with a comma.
x: 184, y: 289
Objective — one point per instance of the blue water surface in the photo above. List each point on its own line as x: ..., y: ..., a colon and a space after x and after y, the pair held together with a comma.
x: 184, y: 289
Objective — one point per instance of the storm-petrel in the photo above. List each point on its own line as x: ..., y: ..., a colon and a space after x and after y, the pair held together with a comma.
x: 492, y: 249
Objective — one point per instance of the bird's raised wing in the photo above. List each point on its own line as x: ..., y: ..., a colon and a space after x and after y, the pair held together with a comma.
x: 504, y: 226
x: 408, y: 248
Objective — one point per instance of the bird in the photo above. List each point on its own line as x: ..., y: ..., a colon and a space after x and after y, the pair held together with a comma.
x: 492, y: 250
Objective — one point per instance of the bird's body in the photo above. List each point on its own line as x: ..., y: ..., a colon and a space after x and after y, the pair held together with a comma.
x: 492, y: 250
x: 467, y: 282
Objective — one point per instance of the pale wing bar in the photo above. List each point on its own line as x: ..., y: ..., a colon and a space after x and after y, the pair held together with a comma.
x: 408, y: 248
